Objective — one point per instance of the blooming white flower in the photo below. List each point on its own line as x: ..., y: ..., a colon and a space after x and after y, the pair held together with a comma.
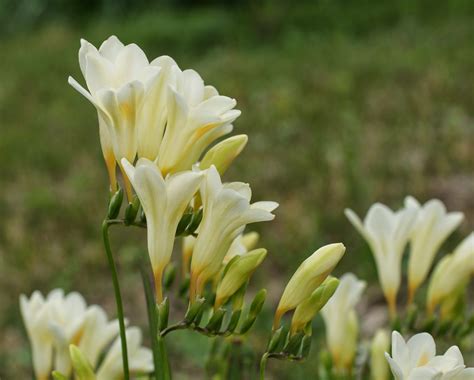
x: 387, y: 233
x: 197, y: 116
x: 118, y: 78
x: 35, y: 314
x: 164, y: 201
x: 227, y: 210
x: 452, y: 272
x: 433, y: 225
x: 140, y: 358
x: 416, y: 359
x: 340, y: 319
x: 309, y: 275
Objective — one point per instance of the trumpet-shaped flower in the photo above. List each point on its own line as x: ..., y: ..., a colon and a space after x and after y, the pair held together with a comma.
x: 379, y: 368
x: 140, y: 358
x: 164, y: 201
x: 227, y: 210
x: 237, y: 273
x: 342, y: 327
x: 416, y: 359
x: 35, y: 314
x: 387, y: 233
x: 197, y: 116
x: 451, y: 273
x: 118, y: 79
x: 309, y: 275
x: 433, y: 225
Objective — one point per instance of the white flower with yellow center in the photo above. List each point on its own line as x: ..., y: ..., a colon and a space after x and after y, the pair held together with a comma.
x: 197, y: 116
x: 35, y: 314
x: 118, y: 79
x: 452, y: 272
x: 164, y: 201
x: 227, y: 210
x: 416, y: 360
x: 140, y: 358
x: 432, y: 227
x: 387, y: 233
x: 340, y: 319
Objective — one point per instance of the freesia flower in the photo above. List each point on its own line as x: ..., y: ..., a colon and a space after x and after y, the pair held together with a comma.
x: 340, y: 319
x: 197, y: 116
x: 452, y: 272
x: 241, y: 245
x: 164, y: 201
x: 309, y: 275
x: 387, y: 233
x: 416, y: 359
x: 118, y: 79
x: 35, y: 314
x: 140, y: 358
x: 379, y: 368
x: 227, y: 210
x: 433, y: 225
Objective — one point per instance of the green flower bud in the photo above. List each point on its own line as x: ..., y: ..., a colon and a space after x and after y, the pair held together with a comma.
x: 307, y: 309
x: 237, y: 273
x: 194, y: 309
x: 224, y: 153
x: 234, y: 320
x: 255, y: 309
x: 215, y: 322
x: 82, y: 368
x: 277, y: 339
x: 115, y: 204
x: 294, y: 344
x: 131, y: 210
x: 310, y: 274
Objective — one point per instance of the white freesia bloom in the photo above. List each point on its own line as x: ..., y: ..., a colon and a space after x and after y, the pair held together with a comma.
x: 432, y: 227
x: 35, y: 314
x: 340, y: 319
x: 197, y: 116
x: 164, y: 201
x: 140, y: 358
x: 416, y: 359
x: 452, y: 272
x: 227, y: 209
x: 118, y: 78
x: 387, y: 233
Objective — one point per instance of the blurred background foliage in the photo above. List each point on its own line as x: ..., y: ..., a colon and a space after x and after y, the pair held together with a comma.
x: 346, y: 103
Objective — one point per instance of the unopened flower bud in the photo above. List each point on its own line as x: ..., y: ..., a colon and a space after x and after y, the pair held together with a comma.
x: 224, y: 153
x: 307, y: 309
x: 237, y: 273
x: 310, y: 274
x: 115, y: 204
x: 82, y: 368
x: 378, y: 363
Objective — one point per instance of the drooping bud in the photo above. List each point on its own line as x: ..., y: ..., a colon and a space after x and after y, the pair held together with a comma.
x: 224, y: 153
x: 237, y: 273
x: 310, y: 274
x: 307, y: 309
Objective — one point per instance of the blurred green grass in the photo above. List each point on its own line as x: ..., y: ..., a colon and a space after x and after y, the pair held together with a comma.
x: 345, y: 103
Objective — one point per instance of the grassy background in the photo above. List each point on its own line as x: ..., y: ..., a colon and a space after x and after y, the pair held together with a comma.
x: 345, y: 103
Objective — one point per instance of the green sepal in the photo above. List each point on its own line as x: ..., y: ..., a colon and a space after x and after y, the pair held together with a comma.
x: 184, y: 222
x: 215, y: 322
x: 193, y: 310
x: 163, y: 310
x: 234, y: 320
x: 59, y: 376
x: 293, y: 345
x: 194, y: 223
x: 169, y: 275
x: 131, y: 211
x: 277, y: 340
x: 115, y: 204
x: 306, y: 346
x: 257, y: 303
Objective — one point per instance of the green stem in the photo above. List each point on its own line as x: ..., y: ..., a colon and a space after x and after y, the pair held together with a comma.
x: 165, y: 373
x: 263, y: 365
x: 118, y: 298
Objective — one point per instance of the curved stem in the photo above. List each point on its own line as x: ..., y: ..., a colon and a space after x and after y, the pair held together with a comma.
x: 118, y: 298
x: 263, y: 365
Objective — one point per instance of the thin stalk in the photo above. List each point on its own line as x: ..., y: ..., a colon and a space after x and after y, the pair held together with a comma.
x: 263, y: 365
x: 165, y: 366
x: 118, y: 298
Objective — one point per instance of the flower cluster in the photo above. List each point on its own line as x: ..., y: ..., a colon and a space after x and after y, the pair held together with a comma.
x: 423, y: 227
x: 56, y: 321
